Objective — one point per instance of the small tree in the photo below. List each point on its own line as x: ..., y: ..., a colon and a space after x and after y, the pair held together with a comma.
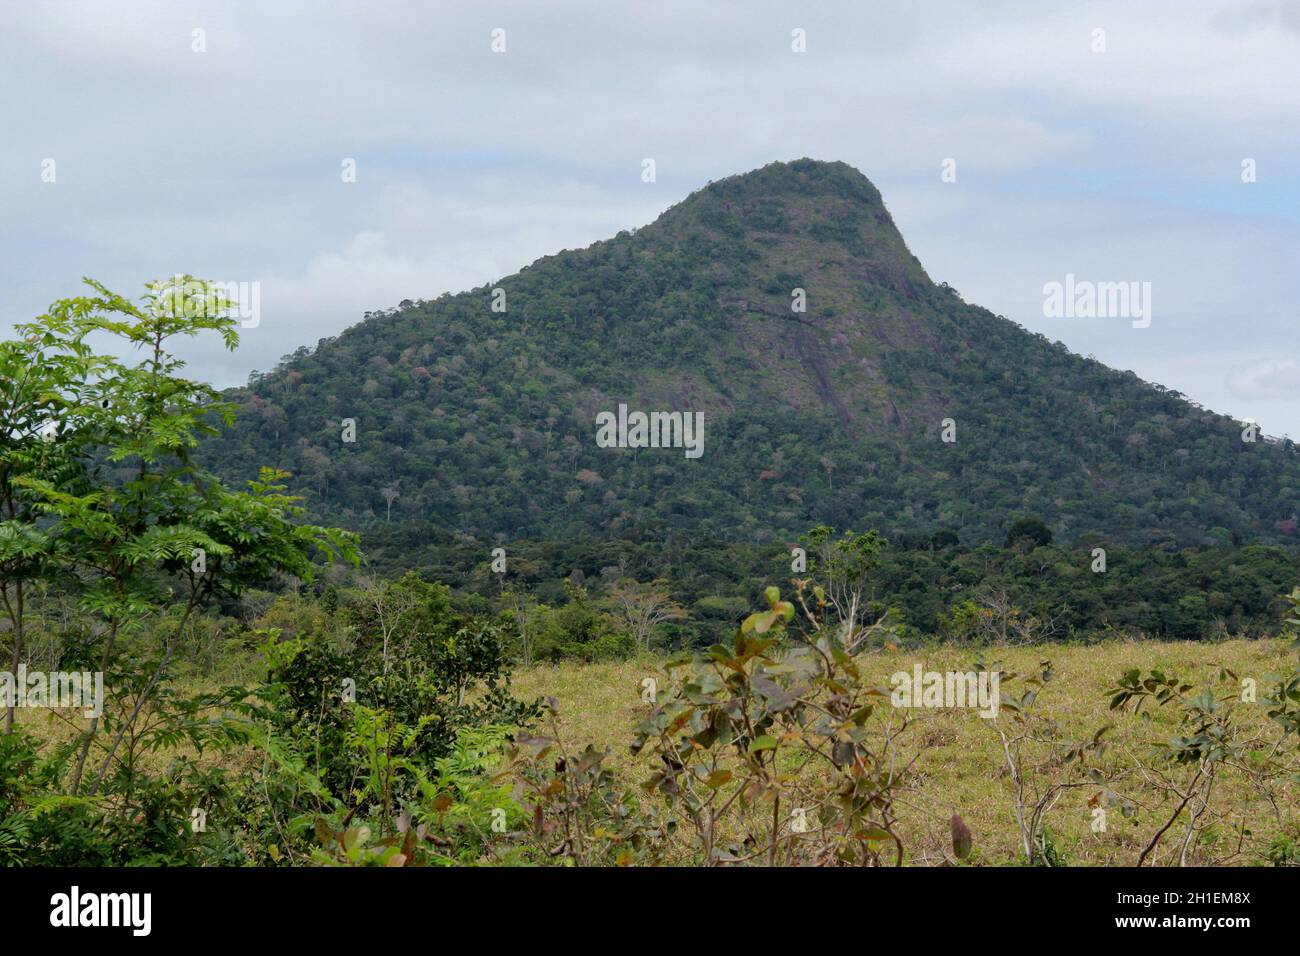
x: 780, y: 754
x: 843, y: 566
x: 642, y: 608
x: 1000, y: 621
x: 390, y: 494
x: 1026, y: 534
x: 1208, y: 741
x: 146, y: 529
x: 388, y: 610
x: 526, y: 614
x: 1032, y: 741
x: 43, y: 375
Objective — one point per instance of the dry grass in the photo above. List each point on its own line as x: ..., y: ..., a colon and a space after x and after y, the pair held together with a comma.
x: 961, y: 768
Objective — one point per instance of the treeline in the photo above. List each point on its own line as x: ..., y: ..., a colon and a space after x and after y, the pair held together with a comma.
x: 930, y: 588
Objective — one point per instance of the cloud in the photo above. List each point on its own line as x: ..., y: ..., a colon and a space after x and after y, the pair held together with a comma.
x: 1265, y: 378
x: 1115, y: 165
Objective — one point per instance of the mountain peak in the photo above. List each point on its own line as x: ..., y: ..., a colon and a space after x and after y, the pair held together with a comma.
x: 800, y: 182
x: 800, y: 177
x: 802, y: 218
x: 783, y: 306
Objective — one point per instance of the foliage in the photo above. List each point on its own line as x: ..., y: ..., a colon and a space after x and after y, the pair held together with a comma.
x: 433, y: 672
x: 384, y: 730
x: 486, y: 417
x: 118, y: 515
x: 1209, y: 739
x: 1035, y: 740
x: 753, y: 731
x: 578, y: 811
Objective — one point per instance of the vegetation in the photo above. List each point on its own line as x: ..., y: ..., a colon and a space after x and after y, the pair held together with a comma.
x: 931, y: 591
x: 481, y: 422
x: 1126, y: 782
x: 270, y: 698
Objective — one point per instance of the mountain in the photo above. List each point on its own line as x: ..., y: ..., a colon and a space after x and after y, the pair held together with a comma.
x: 476, y: 413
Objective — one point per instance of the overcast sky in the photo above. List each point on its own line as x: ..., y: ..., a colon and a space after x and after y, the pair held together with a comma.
x: 1113, y: 166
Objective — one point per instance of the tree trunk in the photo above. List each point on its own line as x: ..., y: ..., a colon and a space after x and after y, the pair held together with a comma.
x: 16, y: 657
x: 94, y: 721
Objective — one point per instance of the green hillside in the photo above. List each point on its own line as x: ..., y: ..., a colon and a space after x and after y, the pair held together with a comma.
x: 483, y: 422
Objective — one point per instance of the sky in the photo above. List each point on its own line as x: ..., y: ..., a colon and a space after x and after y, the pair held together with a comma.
x: 1100, y: 140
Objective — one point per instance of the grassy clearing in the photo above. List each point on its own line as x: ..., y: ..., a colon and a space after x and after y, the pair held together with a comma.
x: 960, y: 768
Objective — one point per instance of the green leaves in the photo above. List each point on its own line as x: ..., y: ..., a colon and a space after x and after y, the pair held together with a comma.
x: 22, y: 542
x: 780, y: 614
x: 162, y: 543
x: 109, y: 496
x: 1209, y: 735
x: 1293, y: 622
x: 740, y: 732
x: 1156, y: 686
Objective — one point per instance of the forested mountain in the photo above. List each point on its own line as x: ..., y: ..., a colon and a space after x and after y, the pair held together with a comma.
x: 476, y: 413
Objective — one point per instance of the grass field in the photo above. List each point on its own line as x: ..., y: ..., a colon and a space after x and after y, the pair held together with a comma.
x: 961, y: 767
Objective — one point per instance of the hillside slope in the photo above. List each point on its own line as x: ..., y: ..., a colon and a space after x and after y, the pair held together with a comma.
x: 484, y: 422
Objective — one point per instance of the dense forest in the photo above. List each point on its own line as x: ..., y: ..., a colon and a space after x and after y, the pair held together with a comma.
x: 933, y: 589
x: 199, y: 675
x: 474, y: 413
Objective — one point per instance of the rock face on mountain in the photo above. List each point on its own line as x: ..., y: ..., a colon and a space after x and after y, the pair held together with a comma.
x: 783, y: 308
